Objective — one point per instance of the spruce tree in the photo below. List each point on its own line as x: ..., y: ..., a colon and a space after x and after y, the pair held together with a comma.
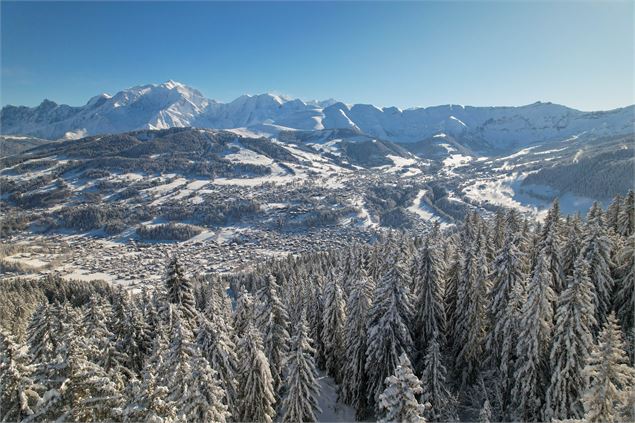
x: 572, y: 244
x: 429, y: 318
x: 507, y: 274
x: 450, y: 297
x: 613, y: 213
x: 151, y: 402
x: 597, y: 252
x: 256, y: 393
x: 485, y: 415
x: 177, y: 364
x: 398, y: 401
x: 472, y: 306
x: 88, y: 390
x: 43, y: 336
x: 571, y: 346
x: 389, y: 334
x: 300, y: 403
x: 625, y: 295
x: 536, y: 326
x: 245, y: 312
x: 315, y: 315
x: 435, y: 385
x: 178, y: 290
x: 101, y: 344
x: 355, y: 380
x: 508, y: 329
x: 626, y: 217
x: 609, y: 376
x: 333, y: 322
x: 549, y: 245
x: 217, y: 347
x: 204, y: 400
x: 273, y: 321
x: 19, y: 392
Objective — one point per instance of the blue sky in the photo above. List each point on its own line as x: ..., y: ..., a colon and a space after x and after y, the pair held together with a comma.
x: 404, y: 54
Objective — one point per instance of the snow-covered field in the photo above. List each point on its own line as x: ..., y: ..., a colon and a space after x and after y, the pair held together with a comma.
x: 422, y: 210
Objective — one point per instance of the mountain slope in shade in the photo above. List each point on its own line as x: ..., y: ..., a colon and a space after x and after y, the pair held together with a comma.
x: 172, y: 104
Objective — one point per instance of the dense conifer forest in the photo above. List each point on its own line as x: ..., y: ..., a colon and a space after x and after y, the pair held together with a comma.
x: 498, y: 319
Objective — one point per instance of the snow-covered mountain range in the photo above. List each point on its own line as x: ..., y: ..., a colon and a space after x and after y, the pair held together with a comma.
x: 173, y: 104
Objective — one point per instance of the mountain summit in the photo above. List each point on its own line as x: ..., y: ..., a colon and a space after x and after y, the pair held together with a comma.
x: 172, y: 104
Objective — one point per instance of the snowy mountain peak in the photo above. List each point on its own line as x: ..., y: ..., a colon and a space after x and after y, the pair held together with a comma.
x: 98, y: 100
x: 173, y: 104
x: 171, y: 84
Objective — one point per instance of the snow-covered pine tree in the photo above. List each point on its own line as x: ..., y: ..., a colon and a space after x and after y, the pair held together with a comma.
x: 125, y: 326
x: 219, y: 301
x: 485, y: 415
x: 76, y: 388
x: 217, y: 347
x: 95, y: 322
x: 143, y: 333
x: 333, y: 324
x: 626, y: 217
x: 255, y: 383
x: 597, y: 252
x: 609, y: 376
x: 88, y: 391
x: 434, y: 382
x: 118, y: 313
x: 150, y: 402
x: 572, y: 244
x: 472, y: 306
x: 595, y: 215
x: 245, y: 313
x: 300, y: 403
x: 549, y: 244
x: 572, y: 342
x: 375, y: 265
x: 429, y: 317
x: 536, y: 327
x: 273, y: 320
x: 354, y: 383
x: 507, y: 327
x: 295, y: 294
x: 499, y: 230
x: 625, y: 295
x: 19, y: 393
x: 178, y: 289
x: 177, y: 364
x: 389, y: 323
x: 450, y: 298
x: 613, y: 212
x: 398, y: 401
x: 52, y: 368
x: 204, y: 400
x: 43, y: 337
x: 314, y: 315
x: 101, y: 344
x: 507, y: 273
x: 353, y: 264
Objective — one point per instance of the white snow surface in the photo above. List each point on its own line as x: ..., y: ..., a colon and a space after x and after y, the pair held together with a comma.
x: 332, y: 410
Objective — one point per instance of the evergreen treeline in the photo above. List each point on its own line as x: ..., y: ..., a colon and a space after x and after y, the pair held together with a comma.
x: 502, y: 319
x: 169, y: 231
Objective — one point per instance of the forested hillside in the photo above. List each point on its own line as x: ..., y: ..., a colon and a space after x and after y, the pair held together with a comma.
x: 500, y: 319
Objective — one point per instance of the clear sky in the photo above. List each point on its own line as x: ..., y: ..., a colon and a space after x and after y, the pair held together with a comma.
x: 403, y: 54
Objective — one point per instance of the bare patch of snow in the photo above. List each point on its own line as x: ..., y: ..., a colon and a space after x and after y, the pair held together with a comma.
x: 332, y: 410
